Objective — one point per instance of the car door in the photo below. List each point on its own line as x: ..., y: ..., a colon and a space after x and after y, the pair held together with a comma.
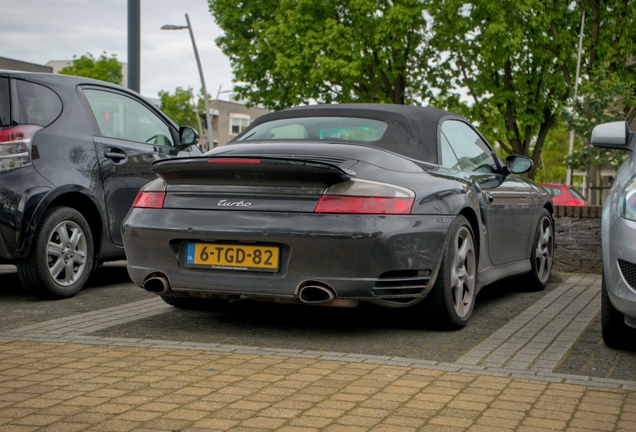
x: 131, y: 137
x: 508, y: 201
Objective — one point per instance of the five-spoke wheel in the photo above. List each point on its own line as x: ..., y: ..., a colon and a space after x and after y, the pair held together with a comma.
x: 450, y: 303
x: 463, y: 272
x: 543, y: 251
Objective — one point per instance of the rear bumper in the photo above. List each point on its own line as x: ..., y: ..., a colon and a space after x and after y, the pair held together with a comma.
x: 360, y: 257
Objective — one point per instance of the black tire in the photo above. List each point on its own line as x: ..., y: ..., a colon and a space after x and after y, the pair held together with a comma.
x: 61, y: 256
x: 195, y: 303
x: 616, y: 334
x: 542, y: 257
x: 450, y: 303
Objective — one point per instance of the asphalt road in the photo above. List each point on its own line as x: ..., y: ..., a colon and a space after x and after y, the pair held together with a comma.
x: 366, y: 330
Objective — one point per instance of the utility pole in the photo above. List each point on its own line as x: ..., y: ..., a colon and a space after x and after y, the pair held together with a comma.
x: 134, y: 45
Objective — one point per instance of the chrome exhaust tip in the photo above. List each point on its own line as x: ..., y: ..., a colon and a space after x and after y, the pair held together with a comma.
x: 157, y: 285
x: 314, y: 294
x: 322, y: 295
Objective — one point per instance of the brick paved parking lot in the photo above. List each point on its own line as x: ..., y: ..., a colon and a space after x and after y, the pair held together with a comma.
x: 116, y: 358
x: 73, y: 387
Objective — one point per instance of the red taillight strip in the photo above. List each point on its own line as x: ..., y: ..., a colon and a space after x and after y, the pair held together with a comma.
x: 149, y: 200
x: 364, y: 205
x: 14, y: 134
x: 235, y: 161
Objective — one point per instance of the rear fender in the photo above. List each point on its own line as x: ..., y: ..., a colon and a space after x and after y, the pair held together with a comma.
x: 73, y: 196
x: 20, y: 218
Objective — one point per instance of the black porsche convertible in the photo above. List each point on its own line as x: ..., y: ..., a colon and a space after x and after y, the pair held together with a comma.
x: 402, y: 206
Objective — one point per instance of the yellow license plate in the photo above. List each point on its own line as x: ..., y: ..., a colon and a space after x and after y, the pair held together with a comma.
x: 233, y: 257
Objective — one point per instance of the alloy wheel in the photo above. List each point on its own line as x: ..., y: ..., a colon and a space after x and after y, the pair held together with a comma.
x: 66, y: 255
x: 463, y: 272
x: 544, y: 250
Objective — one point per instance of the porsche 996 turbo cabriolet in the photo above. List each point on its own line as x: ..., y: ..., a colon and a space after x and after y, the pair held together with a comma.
x: 401, y: 206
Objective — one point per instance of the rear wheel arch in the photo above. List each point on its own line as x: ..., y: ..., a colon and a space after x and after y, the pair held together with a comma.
x: 78, y: 201
x: 87, y: 208
x: 549, y: 207
x: 451, y: 300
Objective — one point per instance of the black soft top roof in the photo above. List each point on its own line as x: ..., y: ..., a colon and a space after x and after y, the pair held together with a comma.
x: 412, y: 131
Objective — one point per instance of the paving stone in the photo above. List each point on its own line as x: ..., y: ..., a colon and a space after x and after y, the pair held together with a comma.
x: 114, y: 381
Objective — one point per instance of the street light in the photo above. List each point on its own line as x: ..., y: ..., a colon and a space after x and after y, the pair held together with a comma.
x: 568, y: 180
x: 205, y: 91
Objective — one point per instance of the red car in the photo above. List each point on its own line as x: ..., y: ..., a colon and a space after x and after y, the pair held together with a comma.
x: 564, y: 195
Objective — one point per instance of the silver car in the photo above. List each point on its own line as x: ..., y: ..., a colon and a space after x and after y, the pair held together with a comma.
x: 618, y: 231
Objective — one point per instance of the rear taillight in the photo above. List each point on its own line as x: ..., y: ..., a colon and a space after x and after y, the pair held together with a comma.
x: 149, y: 200
x: 15, y: 146
x: 364, y: 205
x: 366, y: 197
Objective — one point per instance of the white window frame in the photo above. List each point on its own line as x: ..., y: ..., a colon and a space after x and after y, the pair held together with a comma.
x: 239, y: 117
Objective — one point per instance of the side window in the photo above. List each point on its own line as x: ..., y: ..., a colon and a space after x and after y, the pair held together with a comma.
x: 121, y: 117
x: 448, y: 158
x: 36, y: 104
x: 471, y: 151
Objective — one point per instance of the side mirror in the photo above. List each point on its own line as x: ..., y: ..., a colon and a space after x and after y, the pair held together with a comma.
x: 614, y: 135
x: 518, y: 164
x: 188, y: 136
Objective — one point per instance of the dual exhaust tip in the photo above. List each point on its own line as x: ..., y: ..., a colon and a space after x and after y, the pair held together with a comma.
x: 312, y: 293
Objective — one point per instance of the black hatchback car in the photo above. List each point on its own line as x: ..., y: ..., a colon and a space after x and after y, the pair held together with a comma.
x: 73, y: 154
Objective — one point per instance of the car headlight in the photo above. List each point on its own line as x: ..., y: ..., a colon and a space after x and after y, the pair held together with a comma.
x: 628, y: 200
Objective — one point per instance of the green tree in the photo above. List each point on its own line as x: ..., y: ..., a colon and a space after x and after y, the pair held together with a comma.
x: 608, y: 90
x: 551, y: 168
x: 288, y: 52
x: 516, y: 60
x: 513, y: 59
x: 179, y: 107
x: 105, y: 68
x: 604, y: 98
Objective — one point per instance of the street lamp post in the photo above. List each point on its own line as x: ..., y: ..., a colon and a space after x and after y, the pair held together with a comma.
x: 568, y: 180
x: 208, y: 118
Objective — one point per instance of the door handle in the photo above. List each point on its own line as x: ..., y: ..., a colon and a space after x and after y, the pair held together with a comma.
x: 489, y: 198
x: 116, y: 155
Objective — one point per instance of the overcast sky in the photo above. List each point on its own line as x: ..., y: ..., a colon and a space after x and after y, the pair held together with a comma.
x: 37, y: 31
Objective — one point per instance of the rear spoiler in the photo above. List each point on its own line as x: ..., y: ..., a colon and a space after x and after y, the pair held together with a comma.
x: 251, y: 171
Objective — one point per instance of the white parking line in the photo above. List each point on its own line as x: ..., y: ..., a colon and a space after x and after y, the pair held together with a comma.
x: 540, y: 336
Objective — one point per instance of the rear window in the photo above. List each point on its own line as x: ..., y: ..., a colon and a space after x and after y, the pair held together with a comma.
x: 318, y: 129
x: 5, y: 103
x: 575, y: 194
x: 37, y: 104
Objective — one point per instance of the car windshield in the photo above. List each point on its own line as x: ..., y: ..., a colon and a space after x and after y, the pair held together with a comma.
x: 318, y: 129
